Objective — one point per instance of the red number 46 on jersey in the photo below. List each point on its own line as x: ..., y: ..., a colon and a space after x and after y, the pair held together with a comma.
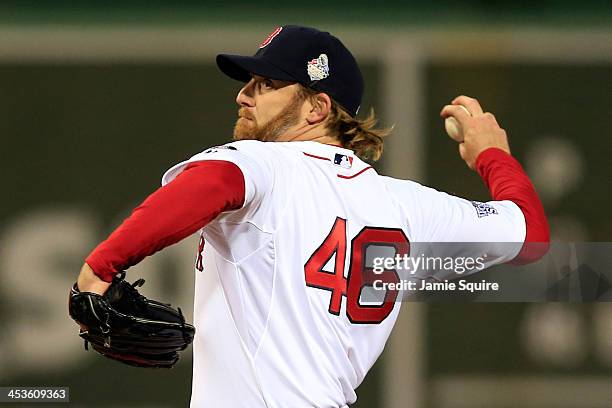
x: 359, y: 274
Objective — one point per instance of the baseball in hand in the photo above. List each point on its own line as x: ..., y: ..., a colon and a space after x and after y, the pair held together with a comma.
x: 453, y: 128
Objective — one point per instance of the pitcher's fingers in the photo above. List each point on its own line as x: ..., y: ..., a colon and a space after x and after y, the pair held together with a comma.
x: 470, y: 103
x: 457, y: 112
x: 492, y: 117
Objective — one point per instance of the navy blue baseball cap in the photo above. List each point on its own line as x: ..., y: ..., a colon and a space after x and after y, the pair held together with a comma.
x: 315, y: 59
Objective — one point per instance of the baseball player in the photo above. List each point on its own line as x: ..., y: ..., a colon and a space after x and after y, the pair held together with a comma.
x: 287, y: 214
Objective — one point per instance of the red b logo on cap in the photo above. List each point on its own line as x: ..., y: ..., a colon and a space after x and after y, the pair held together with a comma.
x: 271, y: 37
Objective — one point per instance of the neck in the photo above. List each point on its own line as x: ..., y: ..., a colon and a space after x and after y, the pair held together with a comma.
x: 312, y: 133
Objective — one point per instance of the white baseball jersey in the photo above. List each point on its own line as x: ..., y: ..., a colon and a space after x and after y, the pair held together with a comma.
x: 278, y: 311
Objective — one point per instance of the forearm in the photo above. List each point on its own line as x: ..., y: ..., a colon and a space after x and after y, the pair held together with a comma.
x: 506, y: 180
x: 198, y: 195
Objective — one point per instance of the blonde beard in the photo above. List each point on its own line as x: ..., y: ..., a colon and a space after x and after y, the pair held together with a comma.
x: 272, y: 130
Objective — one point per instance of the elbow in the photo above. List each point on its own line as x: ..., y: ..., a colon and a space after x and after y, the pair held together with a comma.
x: 536, y: 245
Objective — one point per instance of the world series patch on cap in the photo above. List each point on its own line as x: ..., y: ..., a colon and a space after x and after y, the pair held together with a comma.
x: 313, y: 58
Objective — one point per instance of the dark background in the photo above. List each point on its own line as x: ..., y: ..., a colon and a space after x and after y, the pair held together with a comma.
x: 96, y: 137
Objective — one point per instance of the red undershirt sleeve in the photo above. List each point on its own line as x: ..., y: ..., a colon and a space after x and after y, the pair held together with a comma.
x: 506, y: 180
x: 202, y: 191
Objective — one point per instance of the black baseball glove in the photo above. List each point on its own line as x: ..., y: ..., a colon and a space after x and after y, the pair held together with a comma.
x: 126, y: 326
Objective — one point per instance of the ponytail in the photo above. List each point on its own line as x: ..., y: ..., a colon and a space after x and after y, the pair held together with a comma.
x: 358, y: 135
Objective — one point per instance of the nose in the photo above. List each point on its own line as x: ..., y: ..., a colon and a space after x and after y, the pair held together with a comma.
x: 245, y: 96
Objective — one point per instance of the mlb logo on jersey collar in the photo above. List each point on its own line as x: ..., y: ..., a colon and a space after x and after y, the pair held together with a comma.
x: 343, y: 160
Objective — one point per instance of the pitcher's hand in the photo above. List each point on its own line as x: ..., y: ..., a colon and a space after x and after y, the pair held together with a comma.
x: 480, y: 129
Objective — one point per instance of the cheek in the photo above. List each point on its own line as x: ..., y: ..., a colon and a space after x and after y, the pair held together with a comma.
x: 269, y: 107
x: 262, y: 114
x: 259, y: 117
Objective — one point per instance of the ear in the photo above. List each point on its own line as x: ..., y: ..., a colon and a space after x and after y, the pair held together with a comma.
x: 320, y: 105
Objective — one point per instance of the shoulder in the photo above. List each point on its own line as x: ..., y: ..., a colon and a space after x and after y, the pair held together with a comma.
x: 254, y: 158
x: 253, y: 149
x: 412, y: 195
x: 402, y: 187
